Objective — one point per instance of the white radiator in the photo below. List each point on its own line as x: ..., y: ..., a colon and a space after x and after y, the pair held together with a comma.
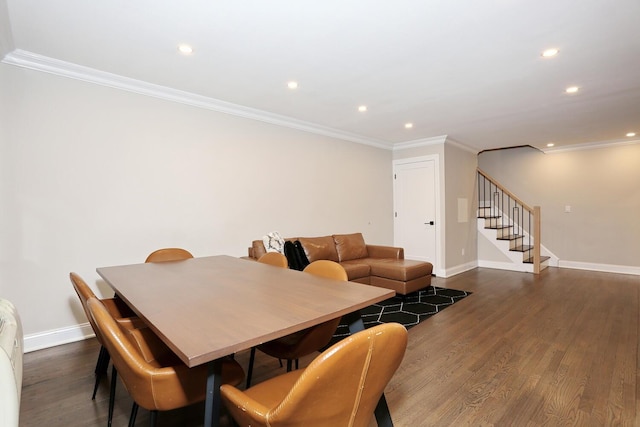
x: 11, y: 351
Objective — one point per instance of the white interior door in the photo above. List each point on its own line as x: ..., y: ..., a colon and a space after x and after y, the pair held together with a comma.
x: 415, y: 203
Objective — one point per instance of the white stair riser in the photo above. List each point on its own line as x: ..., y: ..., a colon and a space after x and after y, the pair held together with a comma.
x: 506, y: 246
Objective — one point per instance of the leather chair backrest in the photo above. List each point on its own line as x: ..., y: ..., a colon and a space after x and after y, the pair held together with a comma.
x: 168, y: 254
x: 84, y: 293
x: 319, y: 336
x: 153, y: 388
x: 125, y: 317
x: 274, y: 258
x: 328, y: 269
x: 342, y: 386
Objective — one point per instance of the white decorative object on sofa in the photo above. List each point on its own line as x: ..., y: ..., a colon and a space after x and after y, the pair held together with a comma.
x: 11, y: 351
x: 273, y: 242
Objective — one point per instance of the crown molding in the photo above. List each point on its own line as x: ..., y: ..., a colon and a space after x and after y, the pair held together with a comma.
x: 461, y: 146
x: 423, y: 142
x: 590, y: 146
x: 435, y: 140
x: 33, y: 61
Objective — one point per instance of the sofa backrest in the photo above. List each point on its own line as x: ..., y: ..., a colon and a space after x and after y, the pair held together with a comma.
x: 350, y: 246
x: 338, y: 247
x: 319, y: 248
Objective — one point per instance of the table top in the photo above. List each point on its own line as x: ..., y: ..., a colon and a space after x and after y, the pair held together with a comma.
x: 206, y: 308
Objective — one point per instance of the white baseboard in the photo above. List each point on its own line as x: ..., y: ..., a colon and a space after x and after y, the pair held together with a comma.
x: 83, y: 331
x: 606, y: 268
x: 458, y: 269
x: 56, y: 337
x: 525, y: 268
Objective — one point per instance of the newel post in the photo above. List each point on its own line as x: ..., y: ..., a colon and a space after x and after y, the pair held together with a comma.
x: 536, y: 239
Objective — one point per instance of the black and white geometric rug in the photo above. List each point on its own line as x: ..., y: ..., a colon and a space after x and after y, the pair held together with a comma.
x: 408, y: 311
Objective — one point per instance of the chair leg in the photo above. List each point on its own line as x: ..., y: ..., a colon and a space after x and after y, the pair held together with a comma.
x: 101, y: 369
x: 95, y: 387
x: 103, y: 361
x: 153, y: 416
x: 297, y: 363
x: 134, y: 414
x: 250, y: 369
x: 112, y: 394
x: 97, y: 373
x: 224, y: 413
x: 289, y: 365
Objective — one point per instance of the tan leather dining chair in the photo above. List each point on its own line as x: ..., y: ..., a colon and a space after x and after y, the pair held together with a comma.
x: 299, y: 344
x: 328, y: 269
x: 154, y: 377
x: 118, y: 310
x: 274, y: 258
x: 168, y: 254
x: 341, y: 387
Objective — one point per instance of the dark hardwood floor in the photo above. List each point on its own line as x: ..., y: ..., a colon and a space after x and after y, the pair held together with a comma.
x: 556, y: 349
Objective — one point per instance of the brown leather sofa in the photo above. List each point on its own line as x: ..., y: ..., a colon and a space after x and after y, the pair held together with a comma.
x: 376, y: 265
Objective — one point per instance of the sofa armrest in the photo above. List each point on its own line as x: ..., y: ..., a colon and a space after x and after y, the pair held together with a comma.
x: 257, y: 249
x: 377, y: 251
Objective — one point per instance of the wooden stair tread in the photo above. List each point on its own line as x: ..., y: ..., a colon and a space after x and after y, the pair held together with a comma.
x: 542, y: 259
x: 511, y: 237
x: 521, y: 248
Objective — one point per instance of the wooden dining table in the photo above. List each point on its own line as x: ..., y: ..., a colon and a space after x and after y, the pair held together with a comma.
x: 207, y: 308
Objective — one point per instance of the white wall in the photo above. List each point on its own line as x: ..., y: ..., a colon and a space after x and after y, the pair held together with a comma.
x: 94, y: 176
x: 461, y: 208
x: 457, y: 181
x: 6, y: 39
x: 602, y: 187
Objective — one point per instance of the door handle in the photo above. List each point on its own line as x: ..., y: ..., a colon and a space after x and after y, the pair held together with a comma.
x: 430, y: 223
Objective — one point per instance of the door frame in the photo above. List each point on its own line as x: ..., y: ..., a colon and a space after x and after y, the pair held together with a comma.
x: 438, y: 269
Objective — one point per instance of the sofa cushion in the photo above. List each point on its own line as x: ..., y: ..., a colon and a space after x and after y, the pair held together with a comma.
x: 355, y: 269
x: 350, y: 246
x: 319, y: 248
x: 399, y: 269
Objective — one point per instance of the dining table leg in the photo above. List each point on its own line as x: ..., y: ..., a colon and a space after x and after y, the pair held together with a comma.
x: 213, y: 403
x: 383, y: 416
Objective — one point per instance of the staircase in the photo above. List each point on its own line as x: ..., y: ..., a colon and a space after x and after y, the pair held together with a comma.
x: 512, y: 225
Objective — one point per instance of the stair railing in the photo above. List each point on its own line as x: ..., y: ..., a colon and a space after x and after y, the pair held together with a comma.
x: 504, y: 206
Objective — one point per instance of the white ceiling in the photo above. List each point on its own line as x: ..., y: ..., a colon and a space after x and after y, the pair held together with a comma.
x: 468, y: 69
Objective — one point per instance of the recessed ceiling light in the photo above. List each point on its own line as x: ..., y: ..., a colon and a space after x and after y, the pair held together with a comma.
x: 550, y: 52
x: 631, y: 134
x: 551, y: 144
x: 572, y: 89
x: 292, y: 85
x: 362, y: 108
x: 185, y: 48
x: 408, y: 125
